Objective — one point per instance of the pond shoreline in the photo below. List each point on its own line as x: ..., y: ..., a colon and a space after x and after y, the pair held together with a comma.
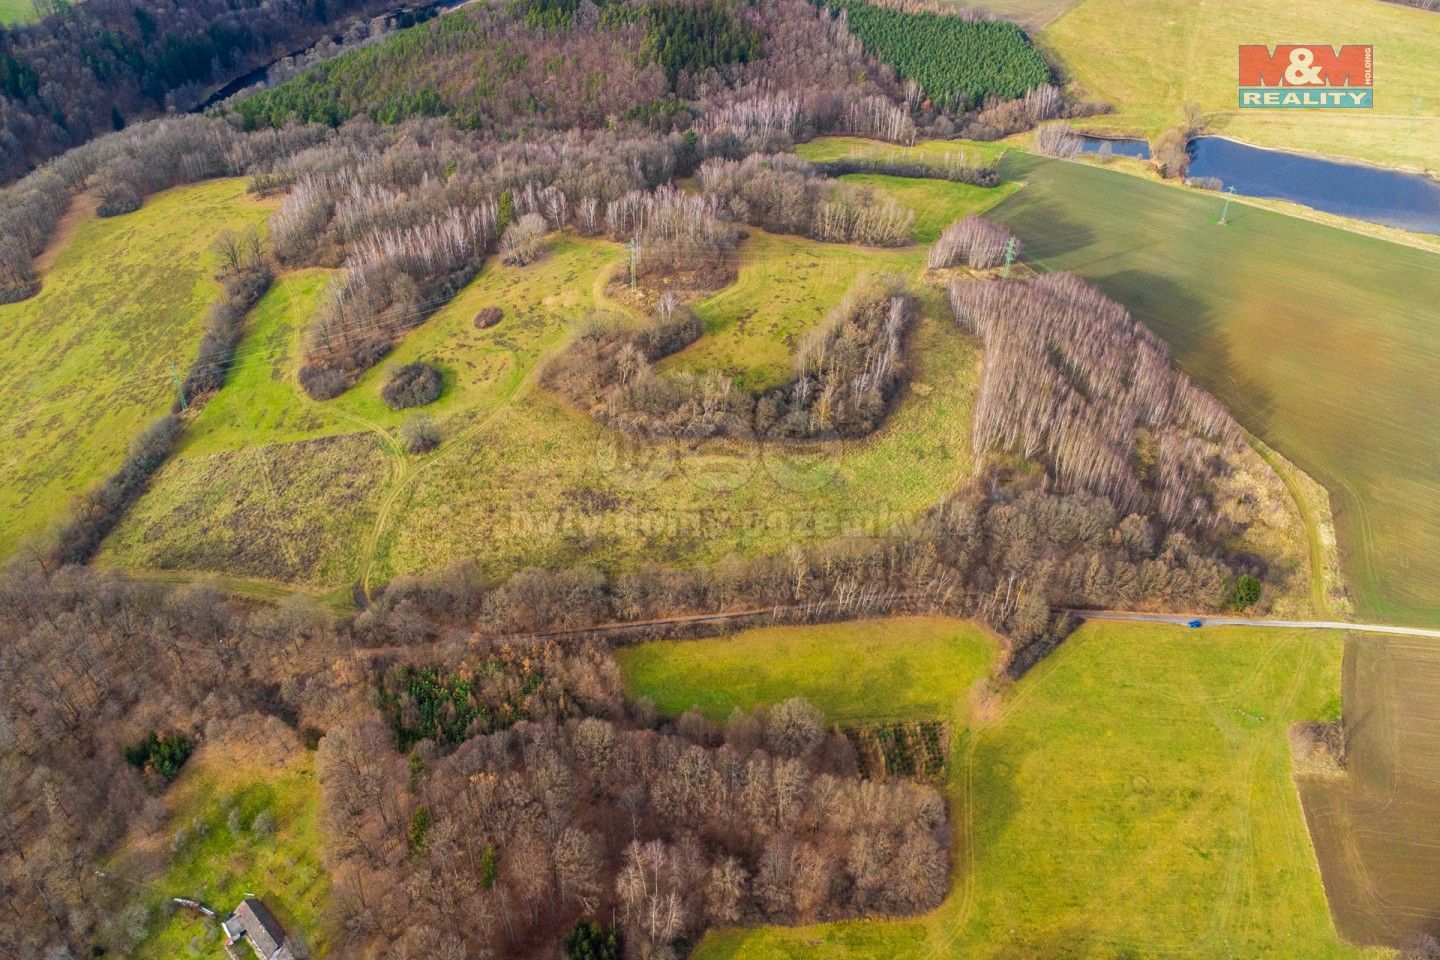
x: 1363, y: 192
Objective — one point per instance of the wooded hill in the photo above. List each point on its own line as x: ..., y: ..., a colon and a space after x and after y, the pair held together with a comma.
x: 89, y: 68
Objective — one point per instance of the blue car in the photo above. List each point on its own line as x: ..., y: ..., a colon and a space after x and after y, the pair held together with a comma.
x: 1195, y: 623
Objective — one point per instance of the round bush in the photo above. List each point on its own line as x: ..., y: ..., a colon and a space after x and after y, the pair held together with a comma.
x: 413, y: 385
x: 419, y: 435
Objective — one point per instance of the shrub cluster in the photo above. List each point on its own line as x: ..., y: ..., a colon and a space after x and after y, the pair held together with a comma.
x: 783, y: 193
x: 419, y: 435
x: 161, y: 753
x: 846, y: 371
x: 413, y: 385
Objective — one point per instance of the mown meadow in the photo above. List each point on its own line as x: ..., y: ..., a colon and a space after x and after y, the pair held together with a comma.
x: 1131, y: 796
x: 1148, y: 58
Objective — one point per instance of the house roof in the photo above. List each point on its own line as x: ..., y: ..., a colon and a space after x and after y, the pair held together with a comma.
x: 264, y: 931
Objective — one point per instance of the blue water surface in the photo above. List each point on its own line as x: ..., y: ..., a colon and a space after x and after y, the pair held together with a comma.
x: 1410, y: 201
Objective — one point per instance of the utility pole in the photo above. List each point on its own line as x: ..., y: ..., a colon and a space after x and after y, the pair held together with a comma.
x: 1225, y: 213
x: 179, y: 389
x: 1009, y: 256
x: 634, y: 262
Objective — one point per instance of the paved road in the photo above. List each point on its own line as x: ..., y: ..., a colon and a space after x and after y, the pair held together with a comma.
x: 1244, y: 622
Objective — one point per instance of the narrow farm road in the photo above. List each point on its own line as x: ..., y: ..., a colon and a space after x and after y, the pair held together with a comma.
x: 1183, y: 619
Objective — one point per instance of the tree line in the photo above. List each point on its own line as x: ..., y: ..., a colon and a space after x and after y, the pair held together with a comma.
x: 550, y: 799
x: 245, y: 274
x: 846, y: 371
x: 584, y: 807
x: 1072, y: 379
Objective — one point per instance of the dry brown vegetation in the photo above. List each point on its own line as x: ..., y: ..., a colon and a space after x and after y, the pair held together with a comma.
x: 1073, y: 380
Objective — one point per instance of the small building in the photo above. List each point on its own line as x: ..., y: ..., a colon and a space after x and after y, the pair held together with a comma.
x: 254, y: 923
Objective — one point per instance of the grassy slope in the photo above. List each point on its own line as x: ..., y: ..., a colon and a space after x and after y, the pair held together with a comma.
x: 1169, y: 52
x: 545, y: 483
x: 218, y: 867
x: 86, y: 362
x: 558, y: 489
x: 787, y: 284
x: 1324, y: 343
x: 1132, y: 798
x: 903, y: 667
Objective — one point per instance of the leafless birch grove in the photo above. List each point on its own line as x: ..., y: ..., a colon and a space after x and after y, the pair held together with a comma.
x: 1072, y: 379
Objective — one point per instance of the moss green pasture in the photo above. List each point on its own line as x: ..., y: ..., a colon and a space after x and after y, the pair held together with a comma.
x: 1131, y: 797
x: 1323, y: 342
x: 220, y: 859
x: 1150, y: 57
x: 87, y: 361
x: 899, y: 668
x: 16, y: 11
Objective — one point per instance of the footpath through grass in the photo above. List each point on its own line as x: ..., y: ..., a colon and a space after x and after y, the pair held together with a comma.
x: 1322, y: 342
x: 1148, y: 58
x: 86, y: 363
x: 272, y: 486
x: 1132, y: 796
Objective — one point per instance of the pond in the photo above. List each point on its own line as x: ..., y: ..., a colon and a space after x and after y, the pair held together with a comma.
x: 1410, y: 201
x: 1118, y: 146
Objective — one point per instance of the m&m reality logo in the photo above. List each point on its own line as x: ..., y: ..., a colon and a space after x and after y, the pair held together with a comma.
x: 1307, y: 75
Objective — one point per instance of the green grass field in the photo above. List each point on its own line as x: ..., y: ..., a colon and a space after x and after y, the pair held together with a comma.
x: 86, y: 362
x: 1323, y: 342
x: 16, y: 11
x: 1149, y: 57
x: 223, y: 859
x: 522, y: 480
x: 1132, y: 796
x: 900, y: 668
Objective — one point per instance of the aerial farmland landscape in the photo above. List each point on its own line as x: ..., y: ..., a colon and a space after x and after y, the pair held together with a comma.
x: 719, y: 479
